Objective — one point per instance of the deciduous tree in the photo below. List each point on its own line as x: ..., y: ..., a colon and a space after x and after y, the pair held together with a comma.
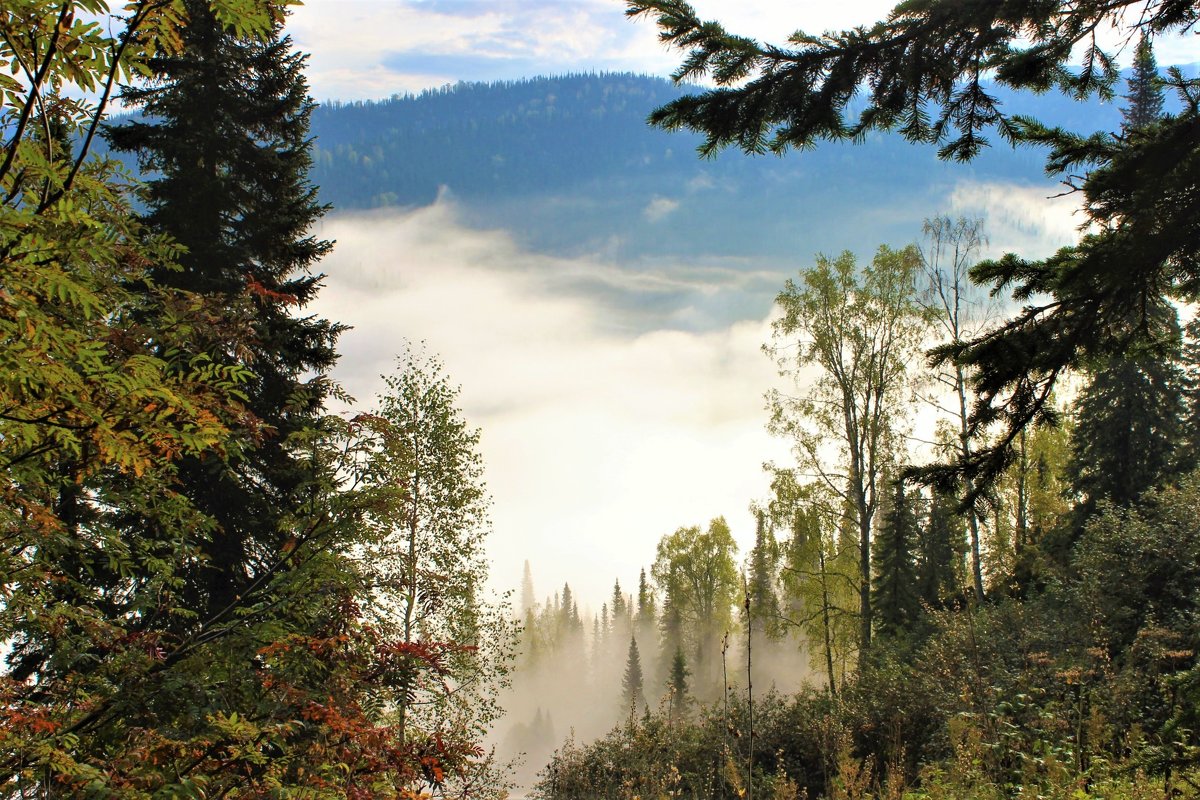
x: 426, y: 560
x: 697, y: 575
x: 860, y: 329
x: 957, y: 311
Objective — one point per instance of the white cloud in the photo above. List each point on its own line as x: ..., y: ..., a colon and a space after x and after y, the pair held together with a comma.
x: 365, y: 49
x: 1027, y: 220
x: 659, y: 208
x: 597, y: 443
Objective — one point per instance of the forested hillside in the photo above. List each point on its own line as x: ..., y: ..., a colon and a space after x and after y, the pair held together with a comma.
x: 570, y: 166
x: 546, y: 134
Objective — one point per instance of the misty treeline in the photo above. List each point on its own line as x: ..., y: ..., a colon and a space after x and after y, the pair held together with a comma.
x: 210, y: 584
x: 1016, y: 615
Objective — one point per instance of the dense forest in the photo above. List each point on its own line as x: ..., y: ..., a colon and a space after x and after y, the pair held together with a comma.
x: 547, y: 134
x: 569, y: 164
x: 212, y: 585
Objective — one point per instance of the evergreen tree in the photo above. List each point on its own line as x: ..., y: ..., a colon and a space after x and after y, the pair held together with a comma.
x: 677, y: 686
x: 631, y: 683
x: 939, y: 548
x: 224, y: 128
x: 1189, y: 449
x: 1130, y: 415
x: 763, y: 619
x: 621, y: 618
x: 894, y: 591
x: 646, y: 611
x: 528, y: 598
x: 1128, y: 426
x: 1144, y: 89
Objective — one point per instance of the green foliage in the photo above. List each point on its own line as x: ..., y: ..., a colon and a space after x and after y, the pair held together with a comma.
x: 631, y: 682
x: 697, y: 575
x: 861, y: 329
x: 894, y: 587
x: 662, y: 757
x: 426, y: 530
x: 422, y: 551
x: 818, y: 574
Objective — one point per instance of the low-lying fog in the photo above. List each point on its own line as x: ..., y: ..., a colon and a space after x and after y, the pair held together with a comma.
x: 617, y: 402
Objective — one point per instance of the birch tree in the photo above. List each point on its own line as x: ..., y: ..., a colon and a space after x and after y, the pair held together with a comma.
x: 958, y: 312
x: 845, y: 337
x: 427, y: 558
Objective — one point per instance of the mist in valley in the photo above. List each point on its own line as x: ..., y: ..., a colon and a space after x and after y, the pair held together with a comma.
x: 617, y: 400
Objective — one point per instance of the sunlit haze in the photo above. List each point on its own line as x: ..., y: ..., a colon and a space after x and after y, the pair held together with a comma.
x: 599, y: 436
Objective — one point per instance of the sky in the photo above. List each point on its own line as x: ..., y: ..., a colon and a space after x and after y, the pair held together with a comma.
x: 370, y: 49
x: 363, y: 49
x: 601, y: 432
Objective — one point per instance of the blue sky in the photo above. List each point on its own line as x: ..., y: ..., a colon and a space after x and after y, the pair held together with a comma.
x: 363, y: 49
x: 375, y: 48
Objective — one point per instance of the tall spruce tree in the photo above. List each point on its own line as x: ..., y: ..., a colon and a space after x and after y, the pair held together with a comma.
x: 646, y: 611
x: 894, y: 588
x: 1144, y: 97
x: 224, y: 128
x: 677, y: 687
x: 1129, y: 422
x: 1189, y: 449
x: 528, y: 598
x: 762, y: 619
x: 939, y: 548
x: 631, y: 682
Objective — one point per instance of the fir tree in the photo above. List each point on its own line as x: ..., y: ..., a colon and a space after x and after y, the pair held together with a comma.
x: 1145, y: 95
x: 224, y: 127
x: 894, y: 587
x: 677, y: 686
x: 939, y: 549
x: 528, y: 598
x: 763, y: 619
x: 631, y: 683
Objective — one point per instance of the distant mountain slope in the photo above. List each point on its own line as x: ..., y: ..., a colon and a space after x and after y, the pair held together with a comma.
x: 569, y: 164
x: 549, y: 133
x: 489, y: 140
